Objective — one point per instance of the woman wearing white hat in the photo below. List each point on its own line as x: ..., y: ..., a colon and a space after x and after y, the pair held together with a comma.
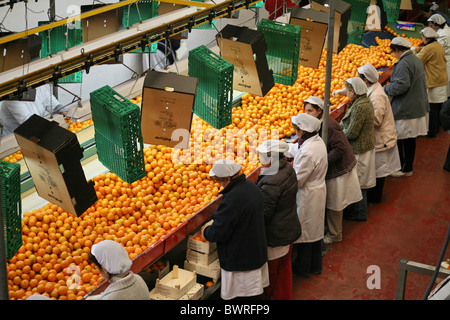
x: 310, y: 165
x: 278, y: 184
x: 387, y: 159
x: 342, y: 176
x: 438, y: 23
x: 409, y: 102
x: 114, y: 265
x: 238, y: 229
x: 358, y: 127
x: 433, y: 58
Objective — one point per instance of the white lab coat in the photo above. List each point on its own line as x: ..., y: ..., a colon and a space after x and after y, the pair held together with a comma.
x: 444, y: 40
x: 14, y: 113
x: 311, y: 165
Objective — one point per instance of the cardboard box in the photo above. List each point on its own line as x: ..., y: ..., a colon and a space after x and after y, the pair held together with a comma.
x: 341, y: 18
x: 167, y: 105
x: 199, y: 246
x: 52, y: 155
x: 101, y: 24
x: 211, y: 270
x: 19, y: 52
x: 176, y: 283
x: 246, y: 50
x: 314, y: 29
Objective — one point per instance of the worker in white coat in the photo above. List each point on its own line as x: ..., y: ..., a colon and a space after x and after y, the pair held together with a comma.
x: 311, y: 165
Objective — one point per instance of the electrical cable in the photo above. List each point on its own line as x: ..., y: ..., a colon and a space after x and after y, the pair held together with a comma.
x: 438, y: 265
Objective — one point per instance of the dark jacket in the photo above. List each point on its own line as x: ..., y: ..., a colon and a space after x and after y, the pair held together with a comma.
x: 340, y: 154
x: 358, y: 126
x: 280, y: 209
x: 407, y: 89
x: 238, y: 227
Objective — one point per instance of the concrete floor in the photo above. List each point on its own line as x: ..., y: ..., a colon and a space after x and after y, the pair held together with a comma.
x: 410, y: 223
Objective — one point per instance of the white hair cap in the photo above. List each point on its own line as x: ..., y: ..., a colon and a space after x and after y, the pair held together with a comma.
x: 224, y: 168
x: 369, y: 72
x: 306, y: 122
x: 315, y: 101
x: 358, y: 85
x: 400, y: 41
x: 429, y: 33
x: 437, y: 18
x: 112, y: 256
x: 273, y: 145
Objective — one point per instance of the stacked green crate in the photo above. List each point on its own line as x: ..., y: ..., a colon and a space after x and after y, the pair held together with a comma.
x: 141, y: 11
x: 392, y: 9
x: 357, y: 21
x: 12, y: 206
x: 213, y: 102
x: 283, y: 49
x: 207, y: 25
x: 118, y: 134
x: 59, y: 39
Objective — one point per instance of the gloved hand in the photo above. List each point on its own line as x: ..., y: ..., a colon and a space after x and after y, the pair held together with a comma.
x: 210, y: 222
x: 342, y: 92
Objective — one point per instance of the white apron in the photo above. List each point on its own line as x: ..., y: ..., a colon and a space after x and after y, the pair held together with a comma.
x: 343, y: 190
x: 366, y: 169
x: 387, y: 162
x: 311, y: 165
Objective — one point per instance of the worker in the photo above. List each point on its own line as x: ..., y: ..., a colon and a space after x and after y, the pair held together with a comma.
x: 430, y: 8
x: 14, y: 112
x: 114, y: 265
x: 310, y: 165
x: 278, y: 184
x: 238, y: 229
x: 409, y: 101
x: 342, y: 176
x: 387, y: 159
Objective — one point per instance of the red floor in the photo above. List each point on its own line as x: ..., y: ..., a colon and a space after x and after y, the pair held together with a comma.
x: 410, y: 223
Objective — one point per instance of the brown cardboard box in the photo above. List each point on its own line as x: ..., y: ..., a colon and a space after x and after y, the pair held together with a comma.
x: 314, y: 29
x: 246, y: 50
x: 52, y: 155
x: 341, y: 17
x: 100, y: 25
x: 167, y: 104
x: 19, y: 52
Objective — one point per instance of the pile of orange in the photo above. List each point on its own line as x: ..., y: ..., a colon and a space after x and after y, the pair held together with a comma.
x: 56, y: 244
x: 16, y: 156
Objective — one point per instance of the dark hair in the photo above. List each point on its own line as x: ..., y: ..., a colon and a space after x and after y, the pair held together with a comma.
x: 396, y: 47
x: 93, y: 259
x: 223, y: 179
x: 315, y: 106
x: 364, y: 78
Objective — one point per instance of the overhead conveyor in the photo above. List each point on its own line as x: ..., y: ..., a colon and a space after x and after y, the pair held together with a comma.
x: 15, y: 82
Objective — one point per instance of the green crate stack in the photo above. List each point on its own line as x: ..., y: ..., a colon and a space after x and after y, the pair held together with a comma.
x: 147, y: 9
x: 283, y: 48
x: 357, y: 21
x: 213, y: 102
x: 12, y: 206
x: 392, y: 8
x: 118, y: 134
x: 62, y: 38
x: 207, y: 25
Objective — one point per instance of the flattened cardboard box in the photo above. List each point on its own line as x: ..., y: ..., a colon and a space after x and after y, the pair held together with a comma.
x: 167, y: 105
x: 246, y: 50
x: 314, y: 29
x: 19, y: 52
x: 52, y: 155
x: 101, y: 24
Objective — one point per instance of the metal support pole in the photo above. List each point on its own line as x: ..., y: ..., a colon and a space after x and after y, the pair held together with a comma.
x: 4, y: 295
x: 326, y: 105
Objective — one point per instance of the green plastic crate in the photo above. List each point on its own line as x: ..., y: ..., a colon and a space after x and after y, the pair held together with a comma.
x: 283, y: 49
x: 392, y: 9
x: 118, y: 134
x: 12, y: 206
x: 62, y: 38
x: 213, y: 102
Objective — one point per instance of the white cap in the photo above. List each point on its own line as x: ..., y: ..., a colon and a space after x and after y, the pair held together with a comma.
x: 358, y: 85
x: 400, y: 41
x: 437, y: 18
x: 306, y: 122
x: 112, y: 256
x: 224, y: 168
x: 315, y: 101
x: 369, y: 72
x: 429, y: 33
x: 273, y: 145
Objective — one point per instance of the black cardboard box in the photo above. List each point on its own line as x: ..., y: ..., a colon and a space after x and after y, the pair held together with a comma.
x: 246, y: 49
x: 52, y: 155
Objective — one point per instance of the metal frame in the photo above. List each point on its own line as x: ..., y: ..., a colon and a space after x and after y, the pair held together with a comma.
x: 405, y: 266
